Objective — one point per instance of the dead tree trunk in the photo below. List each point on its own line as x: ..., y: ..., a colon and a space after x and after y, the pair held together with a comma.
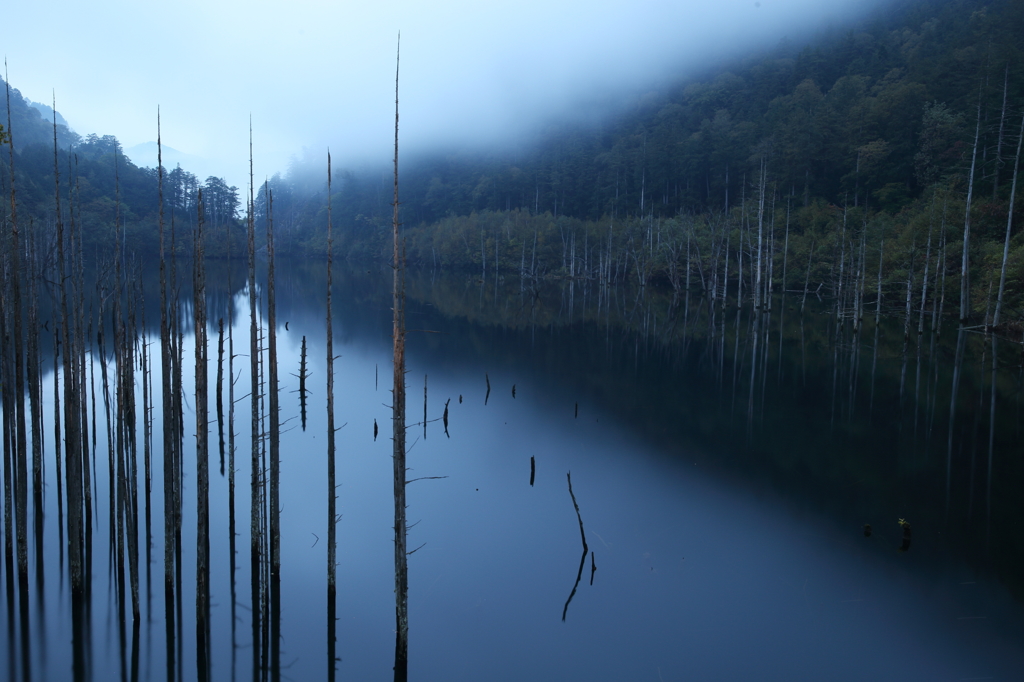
x: 331, y: 498
x: 398, y: 428
x: 275, y: 448
x: 255, y: 508
x: 203, y: 640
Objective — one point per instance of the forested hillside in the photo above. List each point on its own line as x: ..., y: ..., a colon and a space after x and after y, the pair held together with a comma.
x: 99, y: 187
x: 871, y: 148
x: 856, y: 149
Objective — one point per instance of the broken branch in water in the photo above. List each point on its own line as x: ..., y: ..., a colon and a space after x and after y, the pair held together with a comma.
x: 445, y: 417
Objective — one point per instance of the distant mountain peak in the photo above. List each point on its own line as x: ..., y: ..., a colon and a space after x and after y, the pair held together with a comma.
x: 145, y: 155
x: 48, y: 114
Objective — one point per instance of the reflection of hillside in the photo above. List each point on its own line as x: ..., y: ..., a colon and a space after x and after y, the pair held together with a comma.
x: 804, y: 407
x: 813, y: 428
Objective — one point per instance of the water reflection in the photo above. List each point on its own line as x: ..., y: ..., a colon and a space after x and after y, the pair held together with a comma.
x: 762, y: 447
x: 583, y: 557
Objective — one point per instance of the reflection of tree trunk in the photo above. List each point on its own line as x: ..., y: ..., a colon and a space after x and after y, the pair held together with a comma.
x: 974, y: 435
x: 991, y: 431
x: 583, y: 558
x: 835, y: 374
x: 782, y: 314
x: 931, y: 386
x: 220, y: 391
x: 735, y: 357
x: 755, y: 333
x: 764, y: 358
x: 917, y: 388
x: 958, y: 359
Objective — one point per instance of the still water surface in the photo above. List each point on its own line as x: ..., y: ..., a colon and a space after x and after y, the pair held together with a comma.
x: 724, y: 467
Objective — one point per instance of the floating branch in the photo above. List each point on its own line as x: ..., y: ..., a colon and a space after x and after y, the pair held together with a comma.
x: 445, y: 417
x: 303, y: 375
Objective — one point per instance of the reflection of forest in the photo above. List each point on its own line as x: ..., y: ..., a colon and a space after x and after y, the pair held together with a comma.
x: 854, y: 423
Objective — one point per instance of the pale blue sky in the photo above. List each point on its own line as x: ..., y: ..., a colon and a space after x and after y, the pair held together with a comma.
x: 315, y: 73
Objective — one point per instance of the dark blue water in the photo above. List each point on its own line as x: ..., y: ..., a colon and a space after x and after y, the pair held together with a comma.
x: 724, y: 469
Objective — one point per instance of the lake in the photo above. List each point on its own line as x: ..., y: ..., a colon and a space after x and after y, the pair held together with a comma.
x: 781, y: 496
